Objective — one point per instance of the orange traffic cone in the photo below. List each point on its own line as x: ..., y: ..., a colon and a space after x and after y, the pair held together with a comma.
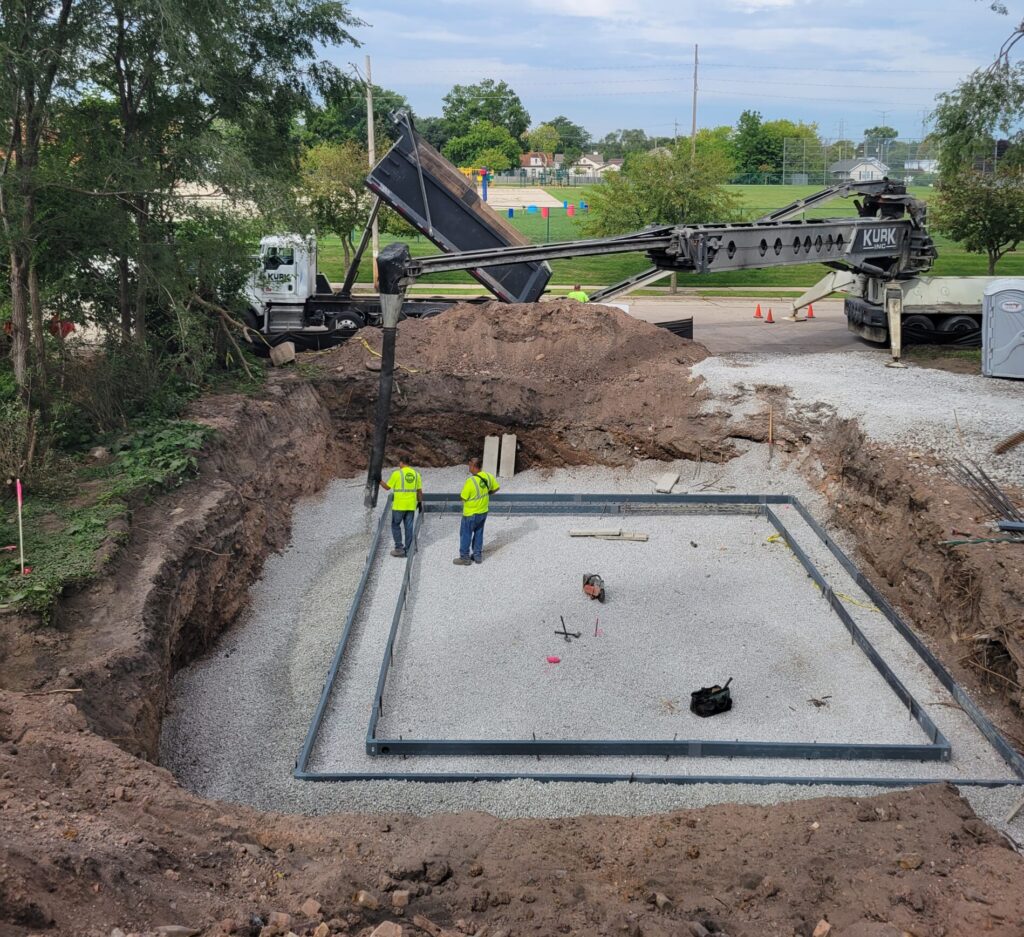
x: 769, y: 318
x: 757, y: 312
x: 810, y: 311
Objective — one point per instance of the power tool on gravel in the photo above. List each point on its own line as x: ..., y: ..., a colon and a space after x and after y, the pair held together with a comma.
x: 711, y: 700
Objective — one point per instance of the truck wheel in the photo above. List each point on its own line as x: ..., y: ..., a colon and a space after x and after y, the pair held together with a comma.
x: 961, y: 330
x: 349, y: 322
x: 918, y: 329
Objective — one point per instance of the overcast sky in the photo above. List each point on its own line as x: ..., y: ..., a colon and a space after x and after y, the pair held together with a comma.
x: 611, y: 64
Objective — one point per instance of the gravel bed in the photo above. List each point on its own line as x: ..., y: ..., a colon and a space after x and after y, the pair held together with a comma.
x: 708, y: 597
x: 914, y: 407
x: 239, y: 715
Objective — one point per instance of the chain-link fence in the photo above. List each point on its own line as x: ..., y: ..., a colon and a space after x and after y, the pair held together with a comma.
x: 829, y: 161
x: 559, y: 177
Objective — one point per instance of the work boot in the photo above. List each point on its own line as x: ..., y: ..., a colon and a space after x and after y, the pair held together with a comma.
x: 462, y: 561
x: 398, y: 551
x: 478, y: 559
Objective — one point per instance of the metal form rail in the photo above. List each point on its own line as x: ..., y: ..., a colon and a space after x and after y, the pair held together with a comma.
x: 599, y: 504
x: 937, y: 748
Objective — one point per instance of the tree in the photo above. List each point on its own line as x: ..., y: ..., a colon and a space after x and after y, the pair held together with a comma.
x: 191, y: 108
x: 983, y: 211
x: 882, y: 133
x: 496, y: 102
x: 656, y: 189
x: 434, y: 130
x: 43, y: 44
x: 343, y: 119
x: 483, y: 137
x: 717, y: 141
x: 332, y: 181
x: 986, y: 104
x: 749, y: 143
x: 574, y: 138
x: 543, y: 139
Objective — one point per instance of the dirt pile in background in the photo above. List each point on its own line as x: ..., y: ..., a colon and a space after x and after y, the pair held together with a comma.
x: 577, y: 383
x: 95, y: 839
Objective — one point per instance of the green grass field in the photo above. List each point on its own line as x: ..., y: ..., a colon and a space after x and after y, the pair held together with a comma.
x: 755, y: 200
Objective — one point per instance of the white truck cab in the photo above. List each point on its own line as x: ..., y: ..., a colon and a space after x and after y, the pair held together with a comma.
x: 289, y: 300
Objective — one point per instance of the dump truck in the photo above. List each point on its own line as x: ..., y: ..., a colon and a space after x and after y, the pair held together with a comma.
x: 289, y: 299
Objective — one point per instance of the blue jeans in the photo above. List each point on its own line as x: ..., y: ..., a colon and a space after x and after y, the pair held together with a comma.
x: 398, y: 518
x: 471, y: 533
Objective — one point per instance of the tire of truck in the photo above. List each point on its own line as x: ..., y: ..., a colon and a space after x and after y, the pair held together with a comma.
x: 349, y: 322
x: 960, y: 330
x: 919, y: 330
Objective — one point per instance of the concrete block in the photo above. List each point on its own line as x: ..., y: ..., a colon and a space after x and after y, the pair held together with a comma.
x: 666, y: 483
x: 282, y: 354
x: 490, y: 464
x: 507, y: 463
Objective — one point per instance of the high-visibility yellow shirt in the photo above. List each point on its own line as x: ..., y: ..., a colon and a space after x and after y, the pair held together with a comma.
x: 404, y: 483
x: 579, y: 296
x: 476, y: 493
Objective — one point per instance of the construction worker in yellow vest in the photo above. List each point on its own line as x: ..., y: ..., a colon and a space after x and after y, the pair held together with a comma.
x: 476, y: 494
x: 577, y: 293
x: 406, y: 487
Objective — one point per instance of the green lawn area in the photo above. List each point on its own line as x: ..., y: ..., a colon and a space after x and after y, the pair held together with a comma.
x: 755, y: 200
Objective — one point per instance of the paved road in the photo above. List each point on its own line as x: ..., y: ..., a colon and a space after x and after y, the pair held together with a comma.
x: 728, y: 325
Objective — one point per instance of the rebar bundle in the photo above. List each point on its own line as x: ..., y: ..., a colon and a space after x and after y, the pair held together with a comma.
x: 985, y: 492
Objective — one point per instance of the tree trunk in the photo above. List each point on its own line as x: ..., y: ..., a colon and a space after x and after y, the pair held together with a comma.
x: 38, y: 334
x: 19, y: 322
x: 123, y: 301
x: 142, y: 269
x: 993, y: 259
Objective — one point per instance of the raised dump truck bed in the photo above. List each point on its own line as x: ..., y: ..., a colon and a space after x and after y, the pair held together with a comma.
x: 425, y: 189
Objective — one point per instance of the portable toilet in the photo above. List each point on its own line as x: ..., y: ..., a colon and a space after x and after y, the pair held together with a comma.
x: 1002, y: 329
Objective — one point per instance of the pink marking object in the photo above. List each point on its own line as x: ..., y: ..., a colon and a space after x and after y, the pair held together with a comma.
x: 554, y: 660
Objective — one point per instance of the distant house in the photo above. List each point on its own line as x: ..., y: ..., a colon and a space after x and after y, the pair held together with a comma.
x: 861, y: 169
x: 589, y: 163
x: 534, y: 163
x: 613, y: 165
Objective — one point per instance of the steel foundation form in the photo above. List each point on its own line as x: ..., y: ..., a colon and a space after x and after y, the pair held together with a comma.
x: 938, y: 749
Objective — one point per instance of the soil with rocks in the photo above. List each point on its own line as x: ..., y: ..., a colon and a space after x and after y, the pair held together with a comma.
x: 95, y: 839
x: 967, y: 599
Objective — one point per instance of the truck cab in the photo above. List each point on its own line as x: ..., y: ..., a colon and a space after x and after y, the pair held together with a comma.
x: 290, y: 301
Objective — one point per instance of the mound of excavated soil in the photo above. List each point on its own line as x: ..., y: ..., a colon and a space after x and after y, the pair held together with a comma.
x: 577, y: 383
x: 556, y: 341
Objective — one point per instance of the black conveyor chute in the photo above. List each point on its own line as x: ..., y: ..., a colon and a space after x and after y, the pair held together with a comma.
x: 436, y: 199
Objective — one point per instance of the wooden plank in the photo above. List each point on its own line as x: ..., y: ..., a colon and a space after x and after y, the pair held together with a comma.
x: 666, y: 483
x: 490, y: 463
x: 507, y: 461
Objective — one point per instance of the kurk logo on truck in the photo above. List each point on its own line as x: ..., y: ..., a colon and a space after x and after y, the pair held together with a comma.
x: 878, y: 238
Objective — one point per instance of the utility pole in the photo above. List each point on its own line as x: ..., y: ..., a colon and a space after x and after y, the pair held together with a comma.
x: 693, y: 129
x: 371, y: 146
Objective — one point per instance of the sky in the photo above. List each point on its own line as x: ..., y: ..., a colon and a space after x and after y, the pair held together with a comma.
x: 612, y: 64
